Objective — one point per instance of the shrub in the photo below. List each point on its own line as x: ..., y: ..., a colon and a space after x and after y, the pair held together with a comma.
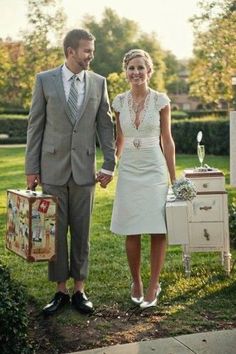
x: 178, y: 114
x: 6, y: 141
x: 15, y: 128
x: 203, y: 113
x: 215, y: 135
x: 14, y: 110
x: 232, y: 223
x: 13, y: 316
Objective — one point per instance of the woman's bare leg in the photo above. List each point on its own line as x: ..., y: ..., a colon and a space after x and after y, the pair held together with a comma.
x: 133, y: 251
x: 157, y: 257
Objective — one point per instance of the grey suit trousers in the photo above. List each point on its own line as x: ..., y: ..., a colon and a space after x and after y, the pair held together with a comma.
x: 74, y: 213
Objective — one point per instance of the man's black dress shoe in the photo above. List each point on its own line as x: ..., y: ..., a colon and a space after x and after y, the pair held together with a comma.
x: 60, y: 299
x: 81, y: 303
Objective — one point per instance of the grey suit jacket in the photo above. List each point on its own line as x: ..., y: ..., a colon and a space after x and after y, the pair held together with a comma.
x: 58, y: 147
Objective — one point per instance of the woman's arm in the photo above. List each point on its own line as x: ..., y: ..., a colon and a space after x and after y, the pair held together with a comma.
x: 119, y: 136
x: 167, y: 141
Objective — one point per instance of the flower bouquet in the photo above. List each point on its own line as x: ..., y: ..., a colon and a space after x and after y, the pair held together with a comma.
x: 184, y: 189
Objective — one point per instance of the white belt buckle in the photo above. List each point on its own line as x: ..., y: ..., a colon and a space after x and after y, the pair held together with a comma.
x: 137, y: 143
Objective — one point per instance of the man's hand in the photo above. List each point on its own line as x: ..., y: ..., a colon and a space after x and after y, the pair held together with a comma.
x: 103, y: 179
x: 32, y: 181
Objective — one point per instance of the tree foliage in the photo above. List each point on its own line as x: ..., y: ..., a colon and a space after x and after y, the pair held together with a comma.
x: 20, y: 61
x: 47, y: 23
x: 11, y: 73
x: 114, y: 37
x: 214, y: 60
x: 117, y: 83
x: 176, y: 74
x: 40, y: 49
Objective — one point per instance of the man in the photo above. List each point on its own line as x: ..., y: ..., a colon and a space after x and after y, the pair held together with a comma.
x: 69, y: 106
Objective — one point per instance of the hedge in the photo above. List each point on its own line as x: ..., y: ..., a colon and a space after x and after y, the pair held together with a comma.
x: 232, y: 222
x: 202, y: 113
x: 14, y: 110
x: 175, y: 113
x: 179, y: 114
x: 215, y: 133
x: 13, y: 130
x: 13, y: 316
x: 199, y: 114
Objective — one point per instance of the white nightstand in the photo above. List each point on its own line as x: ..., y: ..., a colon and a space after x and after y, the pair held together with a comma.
x: 201, y: 225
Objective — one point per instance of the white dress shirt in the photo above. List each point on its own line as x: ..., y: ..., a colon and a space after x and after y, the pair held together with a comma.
x: 80, y: 84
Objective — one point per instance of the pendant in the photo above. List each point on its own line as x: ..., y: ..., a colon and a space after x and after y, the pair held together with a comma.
x: 137, y: 143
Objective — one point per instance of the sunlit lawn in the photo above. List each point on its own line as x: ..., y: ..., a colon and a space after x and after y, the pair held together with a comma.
x: 184, y: 302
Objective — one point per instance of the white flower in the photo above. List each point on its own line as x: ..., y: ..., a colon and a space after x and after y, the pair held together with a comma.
x: 184, y: 189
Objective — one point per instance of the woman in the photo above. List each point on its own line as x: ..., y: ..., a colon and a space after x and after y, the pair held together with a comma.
x: 143, y: 123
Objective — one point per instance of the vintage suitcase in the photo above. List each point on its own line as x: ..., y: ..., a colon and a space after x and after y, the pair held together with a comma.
x: 31, y: 224
x: 177, y: 222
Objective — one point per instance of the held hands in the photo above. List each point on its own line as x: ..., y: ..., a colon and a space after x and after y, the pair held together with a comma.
x: 103, y: 179
x: 32, y: 181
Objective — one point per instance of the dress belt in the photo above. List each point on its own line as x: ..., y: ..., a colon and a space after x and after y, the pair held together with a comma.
x: 141, y: 143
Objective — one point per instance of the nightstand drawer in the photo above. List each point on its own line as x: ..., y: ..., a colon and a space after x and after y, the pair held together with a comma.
x: 206, y: 208
x: 206, y: 181
x: 212, y: 184
x: 177, y: 222
x: 206, y: 234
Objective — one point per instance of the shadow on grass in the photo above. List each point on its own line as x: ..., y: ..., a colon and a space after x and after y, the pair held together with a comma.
x: 206, y: 301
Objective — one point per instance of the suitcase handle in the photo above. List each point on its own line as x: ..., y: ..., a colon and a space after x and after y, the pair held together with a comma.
x: 31, y: 192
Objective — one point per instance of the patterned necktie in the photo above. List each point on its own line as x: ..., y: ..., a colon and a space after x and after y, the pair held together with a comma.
x: 73, y: 98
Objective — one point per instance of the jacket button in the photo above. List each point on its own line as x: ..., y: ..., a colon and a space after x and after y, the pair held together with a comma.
x: 74, y: 131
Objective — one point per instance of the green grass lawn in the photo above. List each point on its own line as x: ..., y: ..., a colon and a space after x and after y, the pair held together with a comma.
x: 205, y: 301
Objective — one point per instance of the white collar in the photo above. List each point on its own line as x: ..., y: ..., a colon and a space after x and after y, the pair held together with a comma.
x: 68, y: 73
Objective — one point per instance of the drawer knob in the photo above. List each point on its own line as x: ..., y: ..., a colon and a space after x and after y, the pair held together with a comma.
x: 205, y: 185
x: 205, y: 208
x: 206, y: 235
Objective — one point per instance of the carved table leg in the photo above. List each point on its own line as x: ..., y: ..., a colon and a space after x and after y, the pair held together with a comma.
x: 227, y: 259
x: 187, y: 261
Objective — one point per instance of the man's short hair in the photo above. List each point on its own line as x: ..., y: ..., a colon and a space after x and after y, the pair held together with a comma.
x: 73, y: 38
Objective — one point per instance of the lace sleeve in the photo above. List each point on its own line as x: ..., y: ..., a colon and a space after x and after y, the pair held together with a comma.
x: 161, y: 100
x: 117, y: 103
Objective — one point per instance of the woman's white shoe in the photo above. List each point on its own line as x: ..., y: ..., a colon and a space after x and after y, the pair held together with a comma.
x: 136, y: 300
x: 146, y: 304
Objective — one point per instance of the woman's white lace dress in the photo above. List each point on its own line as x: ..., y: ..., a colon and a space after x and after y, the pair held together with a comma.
x: 142, y: 185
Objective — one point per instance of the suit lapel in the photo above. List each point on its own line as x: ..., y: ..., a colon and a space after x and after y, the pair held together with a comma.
x: 61, y: 93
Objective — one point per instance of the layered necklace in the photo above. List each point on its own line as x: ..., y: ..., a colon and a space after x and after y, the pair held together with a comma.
x: 138, y: 105
x: 138, y: 108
